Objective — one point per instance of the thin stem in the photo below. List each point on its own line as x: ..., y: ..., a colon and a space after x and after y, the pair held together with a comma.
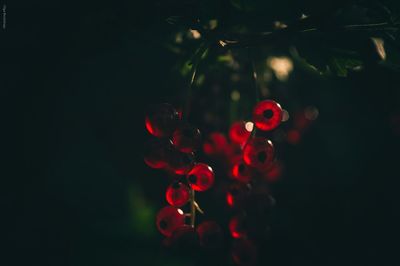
x: 192, y: 207
x: 263, y: 38
x: 195, y: 63
x: 254, y: 74
x: 189, y: 92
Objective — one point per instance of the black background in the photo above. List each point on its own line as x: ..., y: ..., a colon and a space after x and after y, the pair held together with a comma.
x: 77, y: 80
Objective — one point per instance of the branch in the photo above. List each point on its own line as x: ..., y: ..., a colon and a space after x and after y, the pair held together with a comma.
x: 279, y: 35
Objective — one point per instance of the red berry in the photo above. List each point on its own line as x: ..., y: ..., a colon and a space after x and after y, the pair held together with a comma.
x: 267, y: 115
x: 201, y: 177
x: 177, y: 194
x: 180, y: 163
x: 236, y: 194
x: 238, y: 133
x: 238, y: 227
x: 161, y: 120
x: 258, y: 153
x: 244, y: 253
x: 156, y: 151
x: 168, y: 219
x: 241, y: 171
x: 215, y: 144
x: 186, y: 138
x: 210, y: 234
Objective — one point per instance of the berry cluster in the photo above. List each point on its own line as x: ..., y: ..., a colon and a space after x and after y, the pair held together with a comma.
x: 249, y: 162
x: 173, y: 148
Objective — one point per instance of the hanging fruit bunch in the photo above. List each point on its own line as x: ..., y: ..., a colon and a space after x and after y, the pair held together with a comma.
x: 249, y: 161
x: 247, y: 158
x: 172, y: 148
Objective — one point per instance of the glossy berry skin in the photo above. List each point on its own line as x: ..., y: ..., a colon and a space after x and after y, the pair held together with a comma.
x: 180, y: 163
x: 161, y: 120
x: 238, y: 133
x: 156, y: 152
x: 238, y: 227
x: 177, y: 194
x: 201, y: 177
x: 210, y: 234
x: 258, y: 153
x: 241, y: 171
x: 186, y: 138
x: 244, y: 253
x: 267, y: 115
x: 215, y: 144
x: 168, y: 219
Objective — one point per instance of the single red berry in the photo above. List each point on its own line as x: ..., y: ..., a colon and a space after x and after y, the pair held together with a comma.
x: 168, y: 219
x: 179, y: 162
x: 258, y: 153
x: 186, y: 138
x: 238, y: 227
x: 201, y: 177
x: 210, y: 234
x: 241, y: 171
x: 239, y: 133
x: 236, y: 194
x: 267, y: 115
x: 215, y: 144
x: 177, y: 194
x: 244, y: 253
x: 161, y: 120
x: 156, y: 151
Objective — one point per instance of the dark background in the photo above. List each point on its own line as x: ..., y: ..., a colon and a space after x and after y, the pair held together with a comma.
x: 78, y: 78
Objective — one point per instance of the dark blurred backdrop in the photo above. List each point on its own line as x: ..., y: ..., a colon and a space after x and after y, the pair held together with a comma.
x: 76, y: 80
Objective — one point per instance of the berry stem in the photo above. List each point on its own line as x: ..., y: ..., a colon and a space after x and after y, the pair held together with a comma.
x: 254, y: 74
x: 192, y: 208
x: 195, y: 63
x: 198, y: 207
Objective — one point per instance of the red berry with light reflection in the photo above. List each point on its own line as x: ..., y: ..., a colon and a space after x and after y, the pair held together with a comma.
x: 156, y: 152
x: 161, y: 120
x: 201, y: 177
x: 168, y: 219
x: 267, y: 115
x: 241, y: 171
x: 179, y: 162
x: 258, y: 153
x: 186, y: 138
x: 177, y: 194
x: 238, y: 227
x: 239, y: 133
x: 210, y: 234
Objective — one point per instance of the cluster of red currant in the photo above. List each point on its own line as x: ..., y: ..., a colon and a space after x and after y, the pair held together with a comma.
x: 248, y: 155
x: 249, y: 161
x: 173, y: 150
